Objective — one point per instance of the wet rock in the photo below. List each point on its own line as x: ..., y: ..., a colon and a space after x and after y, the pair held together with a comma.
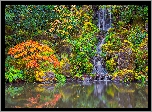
x: 68, y: 78
x: 91, y: 78
x: 97, y: 77
x: 50, y: 88
x: 85, y: 78
x: 50, y: 74
x: 49, y: 77
x: 109, y: 77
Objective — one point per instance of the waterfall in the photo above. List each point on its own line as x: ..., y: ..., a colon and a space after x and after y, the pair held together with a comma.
x: 104, y: 19
x: 104, y: 23
x: 98, y: 61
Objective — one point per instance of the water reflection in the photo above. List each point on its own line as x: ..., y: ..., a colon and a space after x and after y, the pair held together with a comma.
x: 77, y: 95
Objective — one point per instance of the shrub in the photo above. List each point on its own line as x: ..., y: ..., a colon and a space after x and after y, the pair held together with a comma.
x: 14, y: 74
x: 124, y: 75
x: 34, y: 54
x: 142, y: 58
x: 110, y: 65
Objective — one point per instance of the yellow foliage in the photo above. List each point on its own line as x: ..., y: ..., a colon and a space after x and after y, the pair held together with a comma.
x: 69, y: 27
x: 64, y: 61
x: 110, y: 64
x: 39, y: 75
x: 144, y: 42
x: 125, y: 40
x: 146, y: 68
x: 123, y: 72
x: 107, y: 46
x: 16, y: 56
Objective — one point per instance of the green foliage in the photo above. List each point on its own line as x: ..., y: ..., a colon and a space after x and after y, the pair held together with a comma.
x: 81, y: 37
x: 127, y: 33
x: 135, y: 12
x: 29, y: 17
x: 46, y: 66
x: 78, y: 75
x: 60, y: 78
x: 142, y: 57
x: 8, y: 62
x: 140, y: 77
x: 84, y: 52
x: 15, y: 70
x: 73, y: 25
x: 136, y: 35
x: 110, y: 65
x: 24, y: 22
x: 127, y: 12
x: 13, y: 74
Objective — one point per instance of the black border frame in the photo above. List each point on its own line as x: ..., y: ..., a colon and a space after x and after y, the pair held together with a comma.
x: 3, y: 3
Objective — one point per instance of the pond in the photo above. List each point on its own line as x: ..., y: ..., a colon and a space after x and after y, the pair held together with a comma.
x: 97, y: 94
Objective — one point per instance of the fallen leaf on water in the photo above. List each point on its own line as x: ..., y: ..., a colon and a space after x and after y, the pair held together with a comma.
x: 78, y: 96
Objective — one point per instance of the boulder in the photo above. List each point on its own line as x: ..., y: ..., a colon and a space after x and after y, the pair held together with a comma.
x: 49, y: 76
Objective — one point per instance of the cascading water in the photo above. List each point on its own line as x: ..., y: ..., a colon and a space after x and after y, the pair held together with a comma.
x: 104, y: 23
x: 98, y: 61
x: 104, y: 19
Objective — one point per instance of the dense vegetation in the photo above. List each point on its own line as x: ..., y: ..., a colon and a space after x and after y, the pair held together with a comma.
x: 62, y: 39
x: 126, y: 46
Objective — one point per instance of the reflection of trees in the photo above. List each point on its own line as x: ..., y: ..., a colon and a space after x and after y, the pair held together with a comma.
x: 99, y: 94
x: 78, y: 96
x: 85, y: 99
x: 105, y: 93
x: 35, y: 102
x: 11, y: 93
x: 32, y: 96
x: 121, y: 96
x: 67, y: 93
x: 142, y: 91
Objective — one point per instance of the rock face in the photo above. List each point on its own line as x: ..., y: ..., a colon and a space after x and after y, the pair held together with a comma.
x: 126, y: 59
x: 49, y: 77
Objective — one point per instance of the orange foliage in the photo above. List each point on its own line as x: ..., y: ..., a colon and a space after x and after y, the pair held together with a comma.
x: 34, y: 48
x: 35, y: 102
x: 55, y: 100
x: 56, y: 62
x: 32, y: 63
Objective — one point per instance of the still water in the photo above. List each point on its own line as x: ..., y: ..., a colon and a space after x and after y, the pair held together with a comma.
x: 77, y: 95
